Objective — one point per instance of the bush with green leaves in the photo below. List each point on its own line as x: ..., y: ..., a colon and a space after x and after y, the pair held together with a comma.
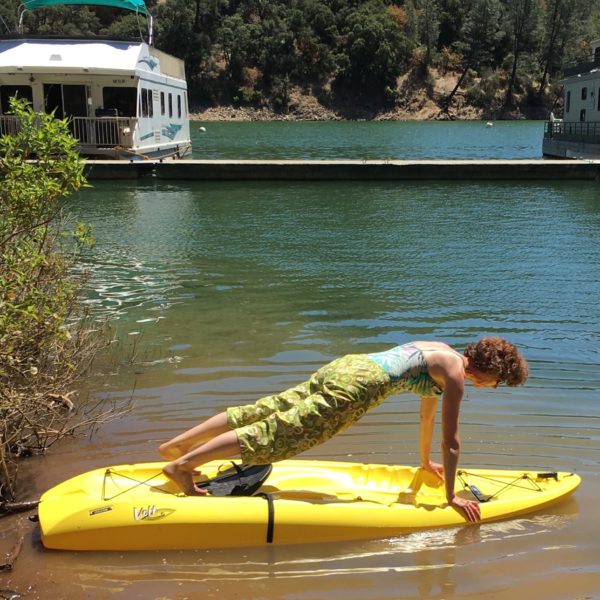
x: 43, y: 347
x: 484, y: 93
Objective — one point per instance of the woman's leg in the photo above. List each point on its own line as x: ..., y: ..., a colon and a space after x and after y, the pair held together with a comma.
x: 182, y: 443
x: 240, y: 415
x: 181, y: 470
x: 251, y: 413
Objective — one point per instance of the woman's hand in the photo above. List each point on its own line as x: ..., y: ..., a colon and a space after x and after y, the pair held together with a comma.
x: 435, y: 469
x: 469, y: 507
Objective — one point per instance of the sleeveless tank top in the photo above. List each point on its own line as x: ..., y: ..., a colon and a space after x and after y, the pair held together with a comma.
x: 407, y: 370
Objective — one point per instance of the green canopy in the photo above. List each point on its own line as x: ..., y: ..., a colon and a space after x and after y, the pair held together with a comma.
x: 134, y: 5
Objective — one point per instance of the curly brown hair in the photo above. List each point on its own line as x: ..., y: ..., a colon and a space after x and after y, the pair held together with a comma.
x: 496, y: 355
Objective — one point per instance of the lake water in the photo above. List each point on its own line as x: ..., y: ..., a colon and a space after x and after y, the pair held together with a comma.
x: 367, y: 140
x: 224, y: 292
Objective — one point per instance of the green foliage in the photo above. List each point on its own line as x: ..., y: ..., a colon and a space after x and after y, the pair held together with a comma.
x: 44, y: 344
x: 481, y: 33
x: 62, y: 21
x: 374, y: 50
x: 129, y: 27
x: 9, y: 15
x: 36, y: 296
x: 484, y: 92
x: 595, y: 22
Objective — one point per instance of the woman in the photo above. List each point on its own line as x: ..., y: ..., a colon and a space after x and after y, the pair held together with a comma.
x: 339, y: 394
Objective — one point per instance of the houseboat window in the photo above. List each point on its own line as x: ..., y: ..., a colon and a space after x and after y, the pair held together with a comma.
x: 162, y: 103
x: 9, y: 91
x: 178, y: 106
x: 121, y: 99
x: 568, y: 103
x: 147, y: 106
x: 65, y: 100
x: 584, y: 93
x: 582, y: 114
x: 170, y: 105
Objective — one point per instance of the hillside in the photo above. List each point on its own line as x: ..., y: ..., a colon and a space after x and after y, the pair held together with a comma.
x: 416, y: 103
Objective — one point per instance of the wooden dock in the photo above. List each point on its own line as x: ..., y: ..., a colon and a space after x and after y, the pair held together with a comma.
x: 346, y: 170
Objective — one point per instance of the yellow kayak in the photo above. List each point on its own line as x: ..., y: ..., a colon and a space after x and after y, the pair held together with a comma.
x: 134, y: 507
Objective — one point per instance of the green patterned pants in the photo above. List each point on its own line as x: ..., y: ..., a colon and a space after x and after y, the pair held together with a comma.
x: 336, y: 396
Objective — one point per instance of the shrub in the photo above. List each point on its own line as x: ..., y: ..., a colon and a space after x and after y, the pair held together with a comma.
x: 44, y: 345
x: 483, y: 93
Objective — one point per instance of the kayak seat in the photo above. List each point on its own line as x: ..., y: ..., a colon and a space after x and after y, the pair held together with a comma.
x: 237, y: 480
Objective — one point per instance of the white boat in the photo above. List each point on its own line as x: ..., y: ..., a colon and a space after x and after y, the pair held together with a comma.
x: 577, y: 134
x: 123, y: 99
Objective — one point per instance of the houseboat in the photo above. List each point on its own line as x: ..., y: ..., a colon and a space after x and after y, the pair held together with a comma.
x: 577, y: 134
x: 123, y: 99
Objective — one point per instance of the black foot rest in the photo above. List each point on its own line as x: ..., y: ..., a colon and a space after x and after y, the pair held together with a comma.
x: 238, y: 480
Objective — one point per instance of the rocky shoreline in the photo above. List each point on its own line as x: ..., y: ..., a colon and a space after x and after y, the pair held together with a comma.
x: 415, y: 105
x: 307, y: 108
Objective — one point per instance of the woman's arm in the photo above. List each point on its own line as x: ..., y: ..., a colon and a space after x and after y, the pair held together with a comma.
x: 450, y: 371
x: 453, y: 394
x: 428, y: 408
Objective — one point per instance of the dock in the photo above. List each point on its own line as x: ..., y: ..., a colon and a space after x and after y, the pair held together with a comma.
x: 347, y: 170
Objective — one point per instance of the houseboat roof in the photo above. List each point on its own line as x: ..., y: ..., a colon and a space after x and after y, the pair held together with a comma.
x: 85, y: 55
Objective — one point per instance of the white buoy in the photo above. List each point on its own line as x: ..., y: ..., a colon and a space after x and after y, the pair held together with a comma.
x: 202, y: 129
x: 489, y: 124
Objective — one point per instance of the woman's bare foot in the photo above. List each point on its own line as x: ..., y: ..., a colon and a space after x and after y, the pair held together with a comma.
x: 183, y: 479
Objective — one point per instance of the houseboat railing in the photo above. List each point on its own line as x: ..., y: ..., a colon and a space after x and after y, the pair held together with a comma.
x: 9, y: 125
x: 94, y: 132
x: 103, y: 132
x: 585, y: 131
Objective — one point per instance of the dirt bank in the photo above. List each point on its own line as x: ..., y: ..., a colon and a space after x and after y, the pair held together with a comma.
x: 304, y: 107
x: 414, y: 103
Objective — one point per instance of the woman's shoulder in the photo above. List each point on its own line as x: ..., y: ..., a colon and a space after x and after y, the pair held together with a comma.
x: 441, y: 357
x: 429, y: 346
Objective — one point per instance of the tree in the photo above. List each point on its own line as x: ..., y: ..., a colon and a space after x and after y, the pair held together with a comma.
x: 423, y: 27
x: 236, y: 42
x: 430, y: 27
x: 523, y: 30
x: 478, y: 39
x: 452, y: 14
x: 595, y: 20
x: 176, y: 34
x: 561, y: 20
x: 374, y: 50
x: 62, y: 21
x: 9, y: 16
x: 317, y: 40
x: 278, y: 59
